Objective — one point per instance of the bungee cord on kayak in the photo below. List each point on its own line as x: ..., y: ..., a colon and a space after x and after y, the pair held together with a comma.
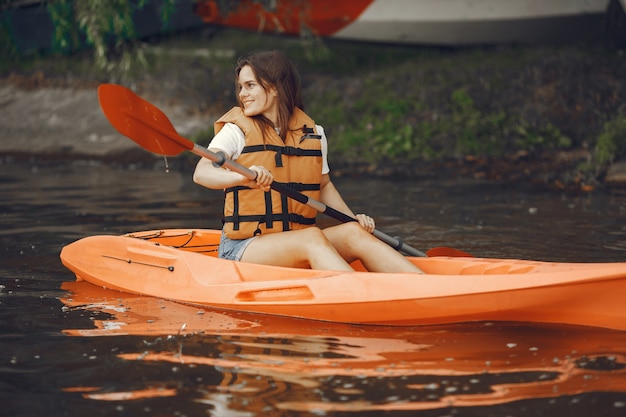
x: 185, y: 244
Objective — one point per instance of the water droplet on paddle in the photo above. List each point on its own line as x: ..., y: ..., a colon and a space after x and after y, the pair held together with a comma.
x: 167, y: 167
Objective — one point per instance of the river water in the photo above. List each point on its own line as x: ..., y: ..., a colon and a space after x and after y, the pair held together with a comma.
x: 72, y: 349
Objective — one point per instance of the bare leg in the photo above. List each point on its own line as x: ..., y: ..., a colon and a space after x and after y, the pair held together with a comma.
x: 297, y: 248
x: 353, y: 242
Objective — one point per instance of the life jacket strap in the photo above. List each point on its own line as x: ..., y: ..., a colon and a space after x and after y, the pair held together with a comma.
x: 282, y: 150
x: 309, y: 133
x: 298, y: 186
x: 282, y: 218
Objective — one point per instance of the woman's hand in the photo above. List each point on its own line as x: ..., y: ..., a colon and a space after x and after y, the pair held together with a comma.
x: 366, y: 222
x: 264, y: 178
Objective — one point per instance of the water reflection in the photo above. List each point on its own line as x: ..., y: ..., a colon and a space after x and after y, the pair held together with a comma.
x: 295, y: 365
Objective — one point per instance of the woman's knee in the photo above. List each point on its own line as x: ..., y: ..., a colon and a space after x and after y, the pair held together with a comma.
x: 349, y: 239
x: 315, y: 236
x: 352, y: 231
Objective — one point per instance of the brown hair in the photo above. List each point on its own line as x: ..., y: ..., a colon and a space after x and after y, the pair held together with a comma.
x: 274, y: 69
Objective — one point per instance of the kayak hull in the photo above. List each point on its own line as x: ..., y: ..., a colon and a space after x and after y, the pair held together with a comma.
x: 182, y: 265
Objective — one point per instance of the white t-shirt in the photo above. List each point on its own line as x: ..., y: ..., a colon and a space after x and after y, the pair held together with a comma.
x: 232, y: 141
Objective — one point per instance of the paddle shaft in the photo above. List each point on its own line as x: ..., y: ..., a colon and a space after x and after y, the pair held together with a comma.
x: 219, y: 159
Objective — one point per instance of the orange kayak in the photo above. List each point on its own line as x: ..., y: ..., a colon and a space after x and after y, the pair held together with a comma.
x: 182, y: 265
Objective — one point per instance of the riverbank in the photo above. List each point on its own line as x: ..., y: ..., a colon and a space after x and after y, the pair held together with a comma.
x: 529, y: 114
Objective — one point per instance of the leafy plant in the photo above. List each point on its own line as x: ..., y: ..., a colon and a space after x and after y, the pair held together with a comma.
x: 107, y: 26
x: 8, y: 50
x: 532, y: 139
x: 611, y: 144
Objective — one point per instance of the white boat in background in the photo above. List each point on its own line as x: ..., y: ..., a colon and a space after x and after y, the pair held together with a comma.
x: 434, y: 22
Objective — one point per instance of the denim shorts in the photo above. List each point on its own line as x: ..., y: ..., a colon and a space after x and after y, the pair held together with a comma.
x: 233, y: 248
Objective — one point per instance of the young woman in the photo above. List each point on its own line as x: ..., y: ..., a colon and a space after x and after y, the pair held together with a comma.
x: 270, y: 133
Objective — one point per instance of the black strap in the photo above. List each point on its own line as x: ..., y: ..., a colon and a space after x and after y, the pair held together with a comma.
x: 309, y: 134
x: 262, y: 218
x: 236, y: 210
x: 298, y: 186
x: 282, y: 150
x: 284, y: 202
x: 268, y: 209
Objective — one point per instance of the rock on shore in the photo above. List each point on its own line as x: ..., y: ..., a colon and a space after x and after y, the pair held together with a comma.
x: 68, y: 123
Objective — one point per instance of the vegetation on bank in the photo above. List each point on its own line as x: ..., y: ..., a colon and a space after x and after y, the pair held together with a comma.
x: 405, y: 104
x: 408, y: 103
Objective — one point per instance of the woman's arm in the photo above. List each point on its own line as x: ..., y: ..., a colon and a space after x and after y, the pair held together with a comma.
x: 210, y: 176
x: 230, y: 141
x: 331, y: 197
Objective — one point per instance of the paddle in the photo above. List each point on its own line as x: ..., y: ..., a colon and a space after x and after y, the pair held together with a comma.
x: 149, y: 127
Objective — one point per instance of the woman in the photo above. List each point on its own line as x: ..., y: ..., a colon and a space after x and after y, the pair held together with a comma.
x: 270, y: 133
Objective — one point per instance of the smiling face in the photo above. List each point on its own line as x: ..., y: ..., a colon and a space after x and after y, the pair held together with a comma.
x: 254, y: 99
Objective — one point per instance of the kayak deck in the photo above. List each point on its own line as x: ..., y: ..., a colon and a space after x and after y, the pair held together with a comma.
x: 182, y: 265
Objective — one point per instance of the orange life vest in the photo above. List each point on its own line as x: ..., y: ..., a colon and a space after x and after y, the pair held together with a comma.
x: 297, y: 163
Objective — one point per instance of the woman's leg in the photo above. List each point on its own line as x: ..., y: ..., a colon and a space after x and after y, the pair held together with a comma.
x: 297, y: 248
x: 353, y: 242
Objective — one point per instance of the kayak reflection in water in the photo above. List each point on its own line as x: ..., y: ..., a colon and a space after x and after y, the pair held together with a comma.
x: 270, y: 133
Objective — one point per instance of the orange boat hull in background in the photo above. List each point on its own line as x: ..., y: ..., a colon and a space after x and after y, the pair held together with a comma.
x: 320, y: 17
x: 181, y: 265
x: 427, y: 22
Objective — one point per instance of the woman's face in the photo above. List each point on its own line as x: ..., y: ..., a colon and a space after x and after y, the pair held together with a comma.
x: 254, y: 98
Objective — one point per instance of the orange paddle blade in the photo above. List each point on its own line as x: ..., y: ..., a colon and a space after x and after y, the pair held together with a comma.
x: 140, y: 121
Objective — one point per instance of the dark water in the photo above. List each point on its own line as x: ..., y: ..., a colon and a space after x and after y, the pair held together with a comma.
x: 71, y: 349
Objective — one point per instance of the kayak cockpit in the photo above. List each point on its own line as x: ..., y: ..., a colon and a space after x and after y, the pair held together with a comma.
x: 206, y: 242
